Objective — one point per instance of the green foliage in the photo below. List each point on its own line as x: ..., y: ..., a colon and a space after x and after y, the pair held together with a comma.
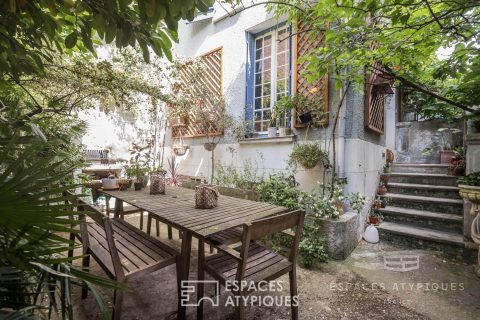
x: 33, y: 176
x: 244, y: 177
x: 357, y: 201
x: 472, y: 179
x: 408, y: 37
x: 35, y: 31
x: 308, y: 155
x: 312, y: 246
x: 279, y: 190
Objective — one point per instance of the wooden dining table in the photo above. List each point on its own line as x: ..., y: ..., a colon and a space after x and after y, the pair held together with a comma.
x: 177, y: 208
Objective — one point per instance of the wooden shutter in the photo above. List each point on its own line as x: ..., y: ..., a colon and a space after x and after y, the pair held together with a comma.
x: 304, y: 43
x: 377, y: 86
x: 211, y: 63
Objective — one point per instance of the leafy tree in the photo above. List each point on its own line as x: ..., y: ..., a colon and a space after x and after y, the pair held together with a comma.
x: 405, y: 36
x: 32, y: 32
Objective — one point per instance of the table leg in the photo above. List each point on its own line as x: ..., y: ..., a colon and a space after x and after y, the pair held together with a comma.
x: 107, y: 204
x: 118, y: 208
x: 184, y: 269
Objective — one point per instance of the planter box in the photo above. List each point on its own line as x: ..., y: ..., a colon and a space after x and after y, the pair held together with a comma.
x: 446, y: 156
x: 239, y: 193
x: 341, y: 235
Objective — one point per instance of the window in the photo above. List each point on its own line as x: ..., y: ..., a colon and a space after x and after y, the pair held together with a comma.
x: 271, y: 74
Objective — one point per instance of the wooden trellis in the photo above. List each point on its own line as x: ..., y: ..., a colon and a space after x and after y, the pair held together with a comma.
x: 377, y: 86
x: 210, y: 83
x: 304, y: 43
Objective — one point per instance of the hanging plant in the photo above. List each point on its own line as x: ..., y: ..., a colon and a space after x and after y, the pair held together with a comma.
x: 308, y: 155
x: 180, y: 150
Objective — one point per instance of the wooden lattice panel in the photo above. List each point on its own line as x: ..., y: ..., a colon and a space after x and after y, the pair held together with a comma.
x: 375, y: 99
x: 304, y: 43
x: 211, y: 83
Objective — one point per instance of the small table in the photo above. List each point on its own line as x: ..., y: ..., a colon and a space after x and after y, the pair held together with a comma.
x: 177, y: 208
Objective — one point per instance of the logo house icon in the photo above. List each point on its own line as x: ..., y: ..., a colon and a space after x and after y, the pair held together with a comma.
x: 188, y: 288
x: 401, y: 263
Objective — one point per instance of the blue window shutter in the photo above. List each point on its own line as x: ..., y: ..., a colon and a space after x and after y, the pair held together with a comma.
x: 249, y: 79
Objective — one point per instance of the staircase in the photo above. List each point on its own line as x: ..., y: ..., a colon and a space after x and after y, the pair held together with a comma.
x: 425, y: 209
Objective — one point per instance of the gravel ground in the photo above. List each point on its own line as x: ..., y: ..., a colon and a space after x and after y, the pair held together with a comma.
x: 357, y: 288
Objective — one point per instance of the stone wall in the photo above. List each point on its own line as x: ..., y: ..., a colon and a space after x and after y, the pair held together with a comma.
x: 413, y: 137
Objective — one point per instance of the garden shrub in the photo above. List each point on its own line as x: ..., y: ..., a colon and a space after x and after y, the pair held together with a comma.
x: 280, y: 190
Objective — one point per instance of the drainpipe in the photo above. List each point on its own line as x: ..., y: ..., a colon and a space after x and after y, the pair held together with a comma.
x: 341, y: 137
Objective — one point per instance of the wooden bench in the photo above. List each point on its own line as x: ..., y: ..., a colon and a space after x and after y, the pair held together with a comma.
x: 123, y: 251
x: 252, y: 262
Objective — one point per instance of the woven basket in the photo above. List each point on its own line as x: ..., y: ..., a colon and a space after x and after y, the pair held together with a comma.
x: 157, y: 182
x: 180, y: 150
x: 206, y: 196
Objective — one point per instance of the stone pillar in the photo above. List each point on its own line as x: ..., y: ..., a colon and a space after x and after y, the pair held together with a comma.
x: 472, y: 156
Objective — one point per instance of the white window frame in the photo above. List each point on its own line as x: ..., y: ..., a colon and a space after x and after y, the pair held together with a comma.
x: 273, y: 70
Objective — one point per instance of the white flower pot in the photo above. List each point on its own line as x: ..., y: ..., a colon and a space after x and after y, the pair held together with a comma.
x: 282, y: 131
x: 272, y: 132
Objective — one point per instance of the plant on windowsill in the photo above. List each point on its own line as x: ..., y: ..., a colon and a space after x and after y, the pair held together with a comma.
x: 272, y: 127
x: 308, y: 155
x: 280, y: 112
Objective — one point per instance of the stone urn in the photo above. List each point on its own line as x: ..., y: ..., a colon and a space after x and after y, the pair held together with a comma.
x: 472, y: 194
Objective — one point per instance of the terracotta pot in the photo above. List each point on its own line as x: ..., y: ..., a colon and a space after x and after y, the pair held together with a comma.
x: 382, y: 190
x: 374, y: 220
x: 385, y: 178
x: 446, y: 156
x: 340, y: 206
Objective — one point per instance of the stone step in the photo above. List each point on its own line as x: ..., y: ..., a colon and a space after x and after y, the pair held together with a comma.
x: 425, y: 190
x: 452, y: 206
x: 420, y: 168
x: 423, y: 178
x: 449, y: 243
x: 422, y: 218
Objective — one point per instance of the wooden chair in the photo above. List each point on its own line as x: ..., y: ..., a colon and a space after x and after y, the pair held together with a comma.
x: 251, y: 261
x: 123, y: 251
x: 124, y: 211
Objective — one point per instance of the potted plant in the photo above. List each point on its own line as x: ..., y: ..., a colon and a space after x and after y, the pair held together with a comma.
x: 272, y: 129
x: 384, y: 202
x: 180, y: 149
x: 457, y: 163
x: 301, y: 106
x: 446, y: 153
x: 308, y: 155
x: 469, y: 189
x: 177, y: 111
x: 382, y: 189
x: 377, y: 203
x: 139, y: 177
x: 387, y: 168
x: 374, y: 217
x: 280, y: 113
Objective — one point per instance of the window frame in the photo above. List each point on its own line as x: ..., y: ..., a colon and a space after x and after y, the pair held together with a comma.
x: 251, y: 72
